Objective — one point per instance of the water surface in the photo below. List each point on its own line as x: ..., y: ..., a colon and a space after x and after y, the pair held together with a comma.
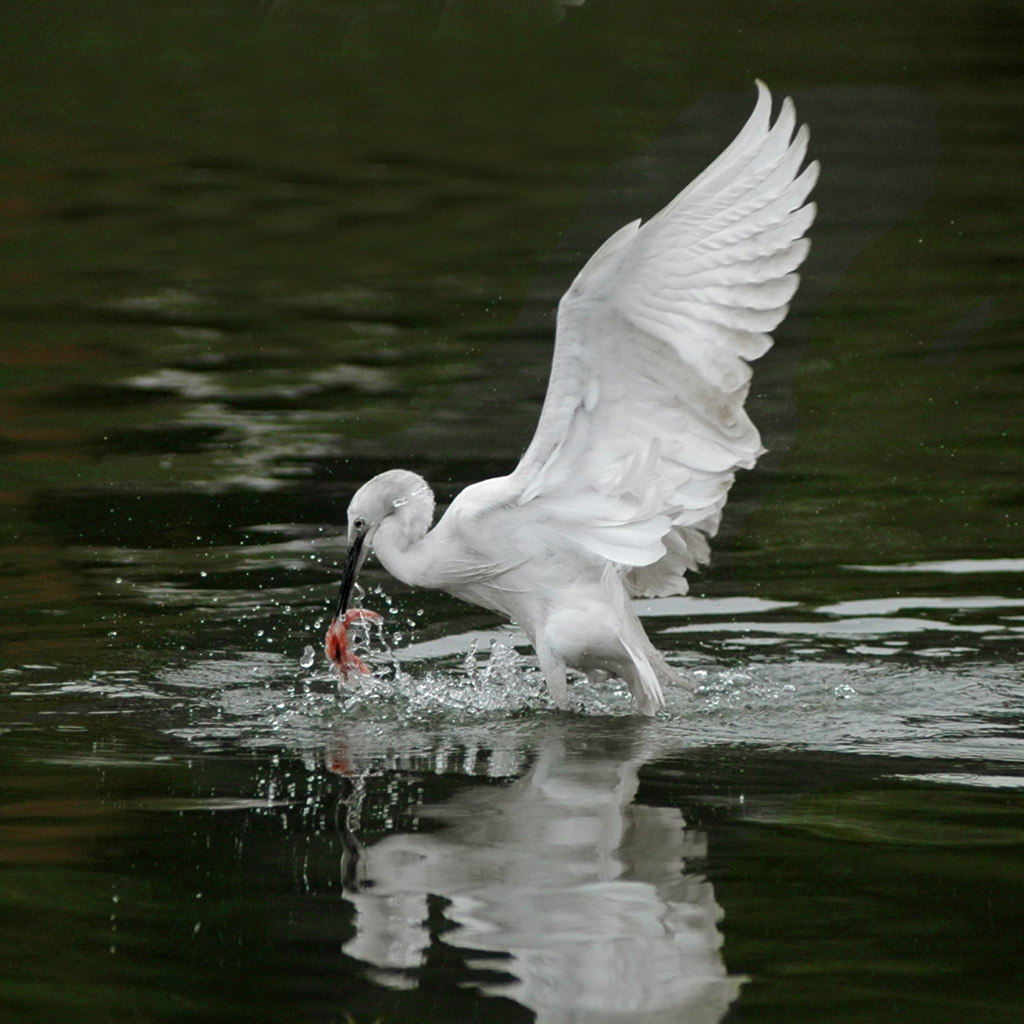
x: 253, y: 254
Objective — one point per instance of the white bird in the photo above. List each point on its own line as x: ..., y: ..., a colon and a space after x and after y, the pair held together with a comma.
x: 641, y: 431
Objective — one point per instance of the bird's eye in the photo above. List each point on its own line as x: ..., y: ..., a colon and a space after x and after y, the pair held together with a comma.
x: 358, y: 524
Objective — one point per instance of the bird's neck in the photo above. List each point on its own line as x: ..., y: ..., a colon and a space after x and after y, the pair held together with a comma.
x: 405, y: 554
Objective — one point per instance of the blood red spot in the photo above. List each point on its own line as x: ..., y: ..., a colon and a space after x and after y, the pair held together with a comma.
x: 333, y: 646
x: 336, y: 641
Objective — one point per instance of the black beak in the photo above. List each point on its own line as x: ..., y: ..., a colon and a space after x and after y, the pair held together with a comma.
x: 353, y: 563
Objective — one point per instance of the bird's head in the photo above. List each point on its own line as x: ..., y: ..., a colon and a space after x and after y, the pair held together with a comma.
x: 397, y: 503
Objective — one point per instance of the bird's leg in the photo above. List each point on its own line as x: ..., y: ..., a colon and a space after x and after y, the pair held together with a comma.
x: 554, y: 675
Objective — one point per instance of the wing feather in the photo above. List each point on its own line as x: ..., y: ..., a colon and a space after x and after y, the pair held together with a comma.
x: 643, y: 425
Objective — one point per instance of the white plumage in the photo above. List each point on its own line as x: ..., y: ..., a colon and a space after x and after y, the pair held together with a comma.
x: 641, y: 432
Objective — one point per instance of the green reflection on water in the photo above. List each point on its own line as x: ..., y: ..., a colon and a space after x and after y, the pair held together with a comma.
x: 913, y: 817
x: 862, y: 903
x: 105, y: 916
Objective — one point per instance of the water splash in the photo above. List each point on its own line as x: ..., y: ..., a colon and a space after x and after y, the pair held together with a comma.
x: 499, y: 682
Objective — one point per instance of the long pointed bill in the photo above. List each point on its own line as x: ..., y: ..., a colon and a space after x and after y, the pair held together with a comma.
x: 353, y: 563
x: 336, y: 642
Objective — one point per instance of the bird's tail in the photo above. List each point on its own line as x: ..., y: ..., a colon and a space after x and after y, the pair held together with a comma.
x: 667, y: 673
x: 643, y: 682
x: 650, y: 670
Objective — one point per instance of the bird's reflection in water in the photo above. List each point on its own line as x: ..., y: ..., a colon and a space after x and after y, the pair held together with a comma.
x: 577, y: 895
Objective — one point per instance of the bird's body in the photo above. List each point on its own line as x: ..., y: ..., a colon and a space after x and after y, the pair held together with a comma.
x: 494, y: 552
x: 642, y: 429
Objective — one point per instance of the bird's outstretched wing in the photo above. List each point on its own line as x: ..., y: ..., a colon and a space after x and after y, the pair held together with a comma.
x: 643, y: 425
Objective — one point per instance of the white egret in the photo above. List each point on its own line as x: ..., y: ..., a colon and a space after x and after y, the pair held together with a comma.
x: 641, y: 431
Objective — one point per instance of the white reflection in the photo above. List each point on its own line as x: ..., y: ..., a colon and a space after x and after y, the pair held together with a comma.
x: 888, y: 605
x: 956, y: 566
x: 865, y: 625
x: 970, y: 779
x: 581, y: 896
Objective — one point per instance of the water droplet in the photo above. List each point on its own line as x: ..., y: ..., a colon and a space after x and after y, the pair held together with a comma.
x: 260, y: 632
x: 308, y: 655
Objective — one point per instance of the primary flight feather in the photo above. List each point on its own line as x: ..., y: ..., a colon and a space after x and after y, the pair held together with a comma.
x: 642, y: 430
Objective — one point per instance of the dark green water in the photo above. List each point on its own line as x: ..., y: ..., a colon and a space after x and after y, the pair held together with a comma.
x: 252, y: 253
